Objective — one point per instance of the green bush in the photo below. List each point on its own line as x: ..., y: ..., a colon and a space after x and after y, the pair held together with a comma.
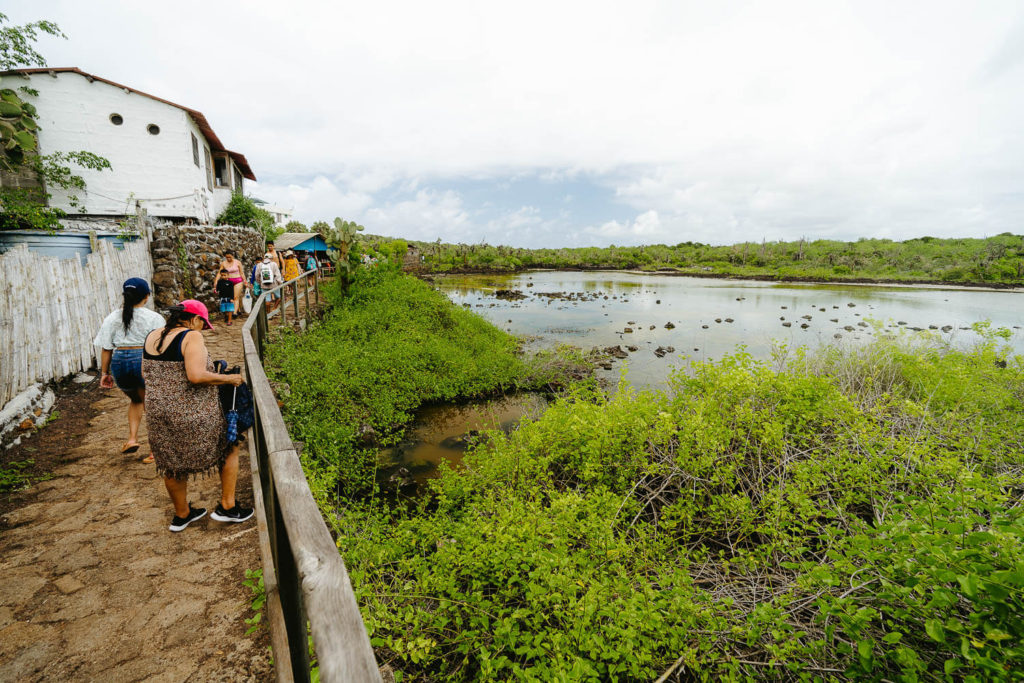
x: 241, y: 210
x: 855, y: 514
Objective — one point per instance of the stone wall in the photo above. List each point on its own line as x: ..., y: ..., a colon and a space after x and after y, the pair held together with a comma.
x: 186, y: 258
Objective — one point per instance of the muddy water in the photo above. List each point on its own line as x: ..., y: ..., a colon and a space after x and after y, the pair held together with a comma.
x: 443, y: 432
x: 678, y: 320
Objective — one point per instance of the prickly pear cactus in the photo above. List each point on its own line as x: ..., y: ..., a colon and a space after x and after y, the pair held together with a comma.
x: 17, y: 129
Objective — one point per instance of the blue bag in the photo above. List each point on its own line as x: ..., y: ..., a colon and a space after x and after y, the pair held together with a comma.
x: 236, y: 402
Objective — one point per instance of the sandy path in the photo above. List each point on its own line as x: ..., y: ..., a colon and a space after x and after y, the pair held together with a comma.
x: 94, y: 587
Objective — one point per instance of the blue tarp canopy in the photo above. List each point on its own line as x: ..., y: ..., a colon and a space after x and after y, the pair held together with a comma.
x: 300, y: 241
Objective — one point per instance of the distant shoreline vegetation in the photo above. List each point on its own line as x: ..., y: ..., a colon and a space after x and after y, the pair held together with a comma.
x: 996, y: 262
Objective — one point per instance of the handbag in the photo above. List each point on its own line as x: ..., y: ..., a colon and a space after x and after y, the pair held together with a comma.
x: 236, y: 402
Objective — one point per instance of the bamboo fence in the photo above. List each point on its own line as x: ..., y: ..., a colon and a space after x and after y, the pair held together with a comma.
x: 51, y: 309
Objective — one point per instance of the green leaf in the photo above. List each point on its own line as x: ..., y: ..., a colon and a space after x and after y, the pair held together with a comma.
x: 935, y: 631
x: 25, y: 139
x: 969, y: 584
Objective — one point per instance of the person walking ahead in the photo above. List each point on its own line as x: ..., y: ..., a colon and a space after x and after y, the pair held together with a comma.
x: 187, y: 430
x: 120, y: 337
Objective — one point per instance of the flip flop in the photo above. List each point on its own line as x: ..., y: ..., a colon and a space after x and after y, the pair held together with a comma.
x: 129, y: 448
x: 148, y: 460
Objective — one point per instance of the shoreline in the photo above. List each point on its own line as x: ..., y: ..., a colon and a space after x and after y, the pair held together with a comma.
x: 802, y: 279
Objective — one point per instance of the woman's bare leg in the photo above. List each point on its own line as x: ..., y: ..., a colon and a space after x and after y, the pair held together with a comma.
x: 136, y: 408
x: 228, y: 479
x: 178, y: 490
x: 238, y: 297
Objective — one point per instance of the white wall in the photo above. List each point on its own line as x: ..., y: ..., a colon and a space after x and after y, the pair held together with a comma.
x: 157, y: 170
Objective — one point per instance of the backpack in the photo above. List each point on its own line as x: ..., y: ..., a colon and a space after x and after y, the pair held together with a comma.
x: 266, y: 275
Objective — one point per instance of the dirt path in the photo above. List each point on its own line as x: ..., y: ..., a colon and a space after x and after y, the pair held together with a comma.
x: 92, y: 584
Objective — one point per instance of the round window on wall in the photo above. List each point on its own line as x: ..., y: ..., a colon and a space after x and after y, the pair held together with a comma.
x: 153, y: 129
x: 116, y: 119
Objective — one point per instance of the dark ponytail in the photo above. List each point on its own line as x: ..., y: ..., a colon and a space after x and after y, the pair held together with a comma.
x: 177, y: 316
x: 132, y: 298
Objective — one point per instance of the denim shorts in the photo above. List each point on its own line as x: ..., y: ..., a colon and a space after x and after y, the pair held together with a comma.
x: 126, y: 367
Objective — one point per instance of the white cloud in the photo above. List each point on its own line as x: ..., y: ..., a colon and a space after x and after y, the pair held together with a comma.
x: 727, y: 121
x: 645, y: 228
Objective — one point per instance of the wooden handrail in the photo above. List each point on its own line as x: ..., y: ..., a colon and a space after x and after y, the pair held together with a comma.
x: 303, y: 573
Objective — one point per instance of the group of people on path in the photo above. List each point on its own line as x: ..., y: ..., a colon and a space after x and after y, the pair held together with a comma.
x: 164, y: 368
x: 274, y: 269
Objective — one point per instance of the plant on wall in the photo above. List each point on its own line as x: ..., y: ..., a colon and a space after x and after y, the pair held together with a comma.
x: 24, y: 206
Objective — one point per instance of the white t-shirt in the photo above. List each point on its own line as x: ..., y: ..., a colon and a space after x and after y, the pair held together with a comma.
x: 112, y: 334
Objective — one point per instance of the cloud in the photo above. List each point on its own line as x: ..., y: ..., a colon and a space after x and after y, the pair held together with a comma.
x: 725, y: 121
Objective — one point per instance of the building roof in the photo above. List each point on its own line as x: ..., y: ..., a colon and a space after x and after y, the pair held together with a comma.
x: 204, y: 126
x: 289, y: 240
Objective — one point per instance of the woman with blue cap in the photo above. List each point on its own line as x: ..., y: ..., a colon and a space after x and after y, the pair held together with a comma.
x: 121, y: 337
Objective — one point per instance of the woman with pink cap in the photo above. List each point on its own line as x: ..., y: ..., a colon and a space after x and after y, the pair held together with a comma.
x: 187, y: 429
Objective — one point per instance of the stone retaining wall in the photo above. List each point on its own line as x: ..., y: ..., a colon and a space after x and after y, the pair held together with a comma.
x: 186, y: 258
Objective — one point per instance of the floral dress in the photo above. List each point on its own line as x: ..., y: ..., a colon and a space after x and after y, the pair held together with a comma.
x: 187, y: 429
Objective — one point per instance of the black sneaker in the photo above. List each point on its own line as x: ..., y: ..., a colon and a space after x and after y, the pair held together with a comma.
x: 179, y: 523
x: 235, y: 514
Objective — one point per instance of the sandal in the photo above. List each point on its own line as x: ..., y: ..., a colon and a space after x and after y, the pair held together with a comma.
x: 148, y: 460
x: 129, y: 448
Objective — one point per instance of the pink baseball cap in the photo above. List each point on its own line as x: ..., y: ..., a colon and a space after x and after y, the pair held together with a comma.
x: 199, y: 308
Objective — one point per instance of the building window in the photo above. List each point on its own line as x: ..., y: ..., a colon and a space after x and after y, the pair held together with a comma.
x: 209, y: 169
x: 195, y: 150
x: 238, y: 179
x: 116, y: 119
x: 220, y: 171
x: 153, y: 129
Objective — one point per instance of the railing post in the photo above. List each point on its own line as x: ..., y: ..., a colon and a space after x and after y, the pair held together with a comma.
x: 295, y: 297
x: 305, y: 295
x: 284, y: 306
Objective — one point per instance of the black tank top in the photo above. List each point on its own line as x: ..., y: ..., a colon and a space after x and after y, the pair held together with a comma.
x: 171, y: 353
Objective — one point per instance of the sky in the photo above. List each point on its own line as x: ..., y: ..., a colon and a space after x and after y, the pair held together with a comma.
x: 558, y: 123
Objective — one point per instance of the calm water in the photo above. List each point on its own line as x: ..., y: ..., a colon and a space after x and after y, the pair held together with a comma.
x: 594, y: 309
x: 603, y: 304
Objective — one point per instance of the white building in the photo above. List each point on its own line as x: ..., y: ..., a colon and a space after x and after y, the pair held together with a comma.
x: 164, y: 157
x: 281, y: 215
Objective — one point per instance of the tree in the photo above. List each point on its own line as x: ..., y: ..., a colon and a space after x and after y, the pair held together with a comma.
x: 243, y: 211
x: 321, y: 227
x: 295, y: 226
x: 24, y: 206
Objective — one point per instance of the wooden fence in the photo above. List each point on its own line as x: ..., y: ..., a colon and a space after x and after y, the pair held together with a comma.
x: 304, y: 576
x: 52, y: 308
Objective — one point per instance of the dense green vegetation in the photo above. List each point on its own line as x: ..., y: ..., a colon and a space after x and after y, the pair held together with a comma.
x: 849, y: 514
x: 389, y: 345
x: 998, y: 259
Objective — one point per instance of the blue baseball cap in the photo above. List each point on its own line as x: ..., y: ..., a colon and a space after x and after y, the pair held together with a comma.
x: 136, y: 284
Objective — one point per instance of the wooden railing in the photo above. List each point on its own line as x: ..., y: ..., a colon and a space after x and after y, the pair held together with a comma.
x: 304, y: 575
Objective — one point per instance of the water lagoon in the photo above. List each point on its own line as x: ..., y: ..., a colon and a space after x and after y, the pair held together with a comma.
x: 590, y: 309
x: 709, y: 318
